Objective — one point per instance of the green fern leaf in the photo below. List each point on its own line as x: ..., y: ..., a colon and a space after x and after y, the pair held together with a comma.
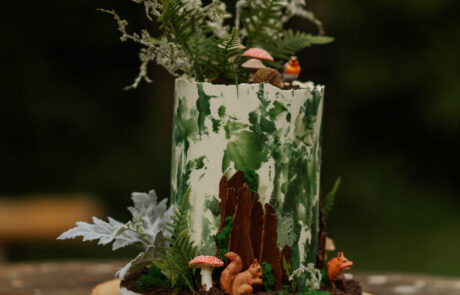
x: 181, y: 250
x: 328, y: 201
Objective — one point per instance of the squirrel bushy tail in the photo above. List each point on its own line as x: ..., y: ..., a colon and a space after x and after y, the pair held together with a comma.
x: 228, y: 275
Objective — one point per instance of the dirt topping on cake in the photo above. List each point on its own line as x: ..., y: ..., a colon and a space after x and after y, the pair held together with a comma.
x: 351, y: 287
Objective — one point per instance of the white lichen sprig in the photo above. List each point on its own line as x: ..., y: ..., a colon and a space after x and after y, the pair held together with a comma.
x: 154, y: 50
x: 291, y: 8
x: 298, y: 8
x: 145, y: 230
x: 217, y: 12
x: 152, y: 7
x: 181, y: 48
x: 309, y: 276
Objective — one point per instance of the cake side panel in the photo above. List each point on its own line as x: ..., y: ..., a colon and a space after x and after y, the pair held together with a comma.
x: 270, y: 134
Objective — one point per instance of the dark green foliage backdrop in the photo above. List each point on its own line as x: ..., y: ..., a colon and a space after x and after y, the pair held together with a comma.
x: 391, y: 121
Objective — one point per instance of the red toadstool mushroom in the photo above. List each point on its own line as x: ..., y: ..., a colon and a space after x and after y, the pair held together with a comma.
x: 206, y: 263
x: 258, y: 53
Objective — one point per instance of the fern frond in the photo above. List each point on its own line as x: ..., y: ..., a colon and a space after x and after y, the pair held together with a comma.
x: 222, y: 58
x: 290, y: 42
x: 261, y: 20
x: 328, y: 201
x: 179, y: 221
x: 181, y: 250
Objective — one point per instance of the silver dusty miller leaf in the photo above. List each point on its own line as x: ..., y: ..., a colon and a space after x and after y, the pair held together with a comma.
x: 149, y: 217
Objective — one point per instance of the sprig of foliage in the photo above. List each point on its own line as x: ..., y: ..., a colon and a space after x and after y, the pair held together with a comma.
x: 197, y: 44
x: 263, y: 27
x: 261, y: 20
x: 290, y: 42
x: 182, y: 25
x: 307, y: 278
x: 267, y: 277
x: 144, y: 230
x: 180, y: 250
x: 328, y: 200
x: 154, y: 278
x: 223, y: 237
x: 288, y: 269
x: 222, y: 58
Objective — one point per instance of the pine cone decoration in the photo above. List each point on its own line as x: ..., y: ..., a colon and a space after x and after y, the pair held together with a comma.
x: 269, y: 75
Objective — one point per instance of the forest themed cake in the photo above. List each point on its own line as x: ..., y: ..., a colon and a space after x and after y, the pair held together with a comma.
x: 244, y: 213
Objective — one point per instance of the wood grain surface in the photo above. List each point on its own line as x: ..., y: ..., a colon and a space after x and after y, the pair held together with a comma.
x: 80, y: 278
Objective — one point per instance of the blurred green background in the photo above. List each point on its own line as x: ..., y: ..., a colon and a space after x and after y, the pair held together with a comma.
x: 391, y: 122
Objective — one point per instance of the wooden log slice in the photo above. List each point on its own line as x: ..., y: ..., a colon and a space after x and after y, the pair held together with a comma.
x: 107, y: 288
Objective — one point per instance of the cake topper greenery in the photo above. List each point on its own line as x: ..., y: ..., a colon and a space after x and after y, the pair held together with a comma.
x: 205, y: 41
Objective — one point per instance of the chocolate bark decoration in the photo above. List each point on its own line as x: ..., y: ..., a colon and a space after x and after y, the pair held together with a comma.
x: 285, y: 256
x: 228, y: 204
x: 237, y: 180
x: 223, y: 184
x: 256, y: 226
x: 240, y: 235
x: 231, y: 202
x: 269, y: 250
x: 320, y: 263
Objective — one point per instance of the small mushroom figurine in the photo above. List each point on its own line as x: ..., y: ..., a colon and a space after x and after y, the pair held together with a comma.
x: 206, y: 263
x: 258, y: 53
x: 253, y: 65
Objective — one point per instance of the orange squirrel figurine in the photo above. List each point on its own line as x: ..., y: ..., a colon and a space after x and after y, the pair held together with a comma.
x: 335, y: 268
x: 235, y: 282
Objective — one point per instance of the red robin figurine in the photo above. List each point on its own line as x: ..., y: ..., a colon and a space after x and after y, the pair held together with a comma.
x: 291, y: 70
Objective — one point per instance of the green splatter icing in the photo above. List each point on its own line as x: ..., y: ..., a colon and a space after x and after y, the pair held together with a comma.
x: 277, y: 109
x: 215, y: 125
x: 244, y: 151
x: 221, y: 111
x: 299, y: 127
x: 232, y: 126
x: 185, y: 128
x: 199, y: 162
x: 225, y: 162
x: 213, y: 205
x: 208, y: 246
x: 182, y: 176
x: 288, y: 117
x: 261, y: 96
x: 267, y: 126
x: 286, y: 236
x: 310, y: 108
x: 204, y: 108
x: 252, y: 179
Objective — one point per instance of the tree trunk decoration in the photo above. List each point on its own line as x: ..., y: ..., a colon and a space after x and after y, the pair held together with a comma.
x: 240, y: 235
x: 256, y: 226
x: 269, y: 250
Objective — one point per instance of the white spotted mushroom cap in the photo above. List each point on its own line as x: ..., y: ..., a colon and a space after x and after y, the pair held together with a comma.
x: 206, y: 260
